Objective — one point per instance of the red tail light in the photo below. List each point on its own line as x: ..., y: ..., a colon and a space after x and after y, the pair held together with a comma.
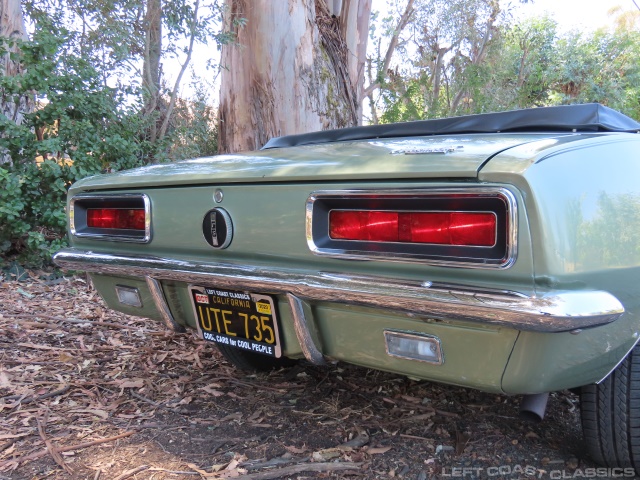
x: 116, y: 218
x: 443, y: 228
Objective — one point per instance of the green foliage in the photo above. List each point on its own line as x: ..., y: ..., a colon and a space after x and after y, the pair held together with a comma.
x: 603, y: 67
x: 447, y: 45
x: 80, y: 128
x: 31, y: 221
x: 194, y: 129
x: 467, y: 56
x: 520, y: 64
x: 82, y: 71
x: 407, y: 103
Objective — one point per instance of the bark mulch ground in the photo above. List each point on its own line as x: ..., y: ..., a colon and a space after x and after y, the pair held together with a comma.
x: 88, y: 393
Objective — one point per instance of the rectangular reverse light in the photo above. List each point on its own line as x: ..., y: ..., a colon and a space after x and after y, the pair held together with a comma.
x: 128, y: 296
x: 413, y: 346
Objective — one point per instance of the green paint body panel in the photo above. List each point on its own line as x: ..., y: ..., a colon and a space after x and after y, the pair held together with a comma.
x: 574, y: 233
x: 583, y: 204
x: 105, y: 285
x: 269, y: 230
x: 474, y: 355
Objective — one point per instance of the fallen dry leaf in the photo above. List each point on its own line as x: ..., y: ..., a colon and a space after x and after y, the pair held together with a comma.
x: 65, y: 357
x: 326, y: 454
x: 212, y: 391
x: 296, y: 450
x: 125, y: 383
x: 92, y: 411
x: 377, y: 450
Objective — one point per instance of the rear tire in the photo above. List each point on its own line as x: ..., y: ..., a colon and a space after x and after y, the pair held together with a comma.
x: 253, y: 362
x: 611, y: 416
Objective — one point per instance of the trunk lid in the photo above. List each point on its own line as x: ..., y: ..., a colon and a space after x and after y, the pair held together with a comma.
x: 442, y: 156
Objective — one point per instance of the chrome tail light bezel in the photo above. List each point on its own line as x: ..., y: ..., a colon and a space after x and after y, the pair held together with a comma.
x: 502, y: 201
x: 80, y: 203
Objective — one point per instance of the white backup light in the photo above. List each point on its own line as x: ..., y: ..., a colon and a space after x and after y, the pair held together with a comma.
x: 128, y: 296
x: 413, y: 346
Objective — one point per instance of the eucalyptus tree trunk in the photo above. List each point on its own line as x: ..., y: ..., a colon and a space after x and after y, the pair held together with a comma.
x: 12, y: 26
x: 298, y: 66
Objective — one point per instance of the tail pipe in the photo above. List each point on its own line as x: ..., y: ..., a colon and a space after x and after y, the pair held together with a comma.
x: 532, y: 407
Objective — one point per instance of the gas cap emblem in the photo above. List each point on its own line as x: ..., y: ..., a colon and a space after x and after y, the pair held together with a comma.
x: 217, y: 228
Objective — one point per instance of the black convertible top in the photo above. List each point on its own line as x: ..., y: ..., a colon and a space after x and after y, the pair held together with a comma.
x: 590, y: 117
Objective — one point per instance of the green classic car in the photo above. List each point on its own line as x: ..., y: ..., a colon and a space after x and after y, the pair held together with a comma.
x: 499, y: 252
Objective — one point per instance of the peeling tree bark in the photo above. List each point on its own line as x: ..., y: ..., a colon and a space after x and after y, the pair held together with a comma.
x: 12, y: 26
x: 298, y: 67
x: 354, y: 28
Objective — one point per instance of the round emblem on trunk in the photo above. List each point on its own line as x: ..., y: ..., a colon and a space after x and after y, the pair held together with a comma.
x: 217, y: 228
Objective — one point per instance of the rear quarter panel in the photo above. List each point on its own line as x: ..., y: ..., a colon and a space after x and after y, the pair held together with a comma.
x: 583, y: 204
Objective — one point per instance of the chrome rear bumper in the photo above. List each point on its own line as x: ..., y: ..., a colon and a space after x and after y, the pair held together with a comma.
x: 554, y: 312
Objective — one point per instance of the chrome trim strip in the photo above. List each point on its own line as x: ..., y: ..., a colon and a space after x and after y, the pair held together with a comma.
x: 507, y: 196
x: 111, y: 238
x: 161, y: 304
x: 300, y: 325
x: 555, y: 311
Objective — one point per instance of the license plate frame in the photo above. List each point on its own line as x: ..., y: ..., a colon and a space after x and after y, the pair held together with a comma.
x: 244, y: 320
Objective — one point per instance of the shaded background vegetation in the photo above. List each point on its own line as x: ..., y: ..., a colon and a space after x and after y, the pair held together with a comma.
x: 470, y: 56
x: 96, y: 100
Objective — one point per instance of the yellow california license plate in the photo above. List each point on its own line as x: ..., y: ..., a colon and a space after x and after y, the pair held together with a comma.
x: 243, y: 320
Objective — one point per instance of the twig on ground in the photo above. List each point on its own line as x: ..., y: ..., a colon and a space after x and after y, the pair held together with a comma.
x: 32, y: 398
x: 158, y: 405
x: 131, y: 473
x: 447, y: 414
x: 305, y: 467
x: 172, y: 472
x: 73, y: 320
x: 52, y: 450
x: 6, y: 445
x: 42, y: 453
x: 231, y: 379
x: 274, y: 462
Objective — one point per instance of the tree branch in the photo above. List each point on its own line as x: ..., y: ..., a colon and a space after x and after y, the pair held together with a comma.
x: 374, y: 114
x: 176, y: 85
x: 437, y: 75
x: 408, y: 11
x: 482, y: 51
